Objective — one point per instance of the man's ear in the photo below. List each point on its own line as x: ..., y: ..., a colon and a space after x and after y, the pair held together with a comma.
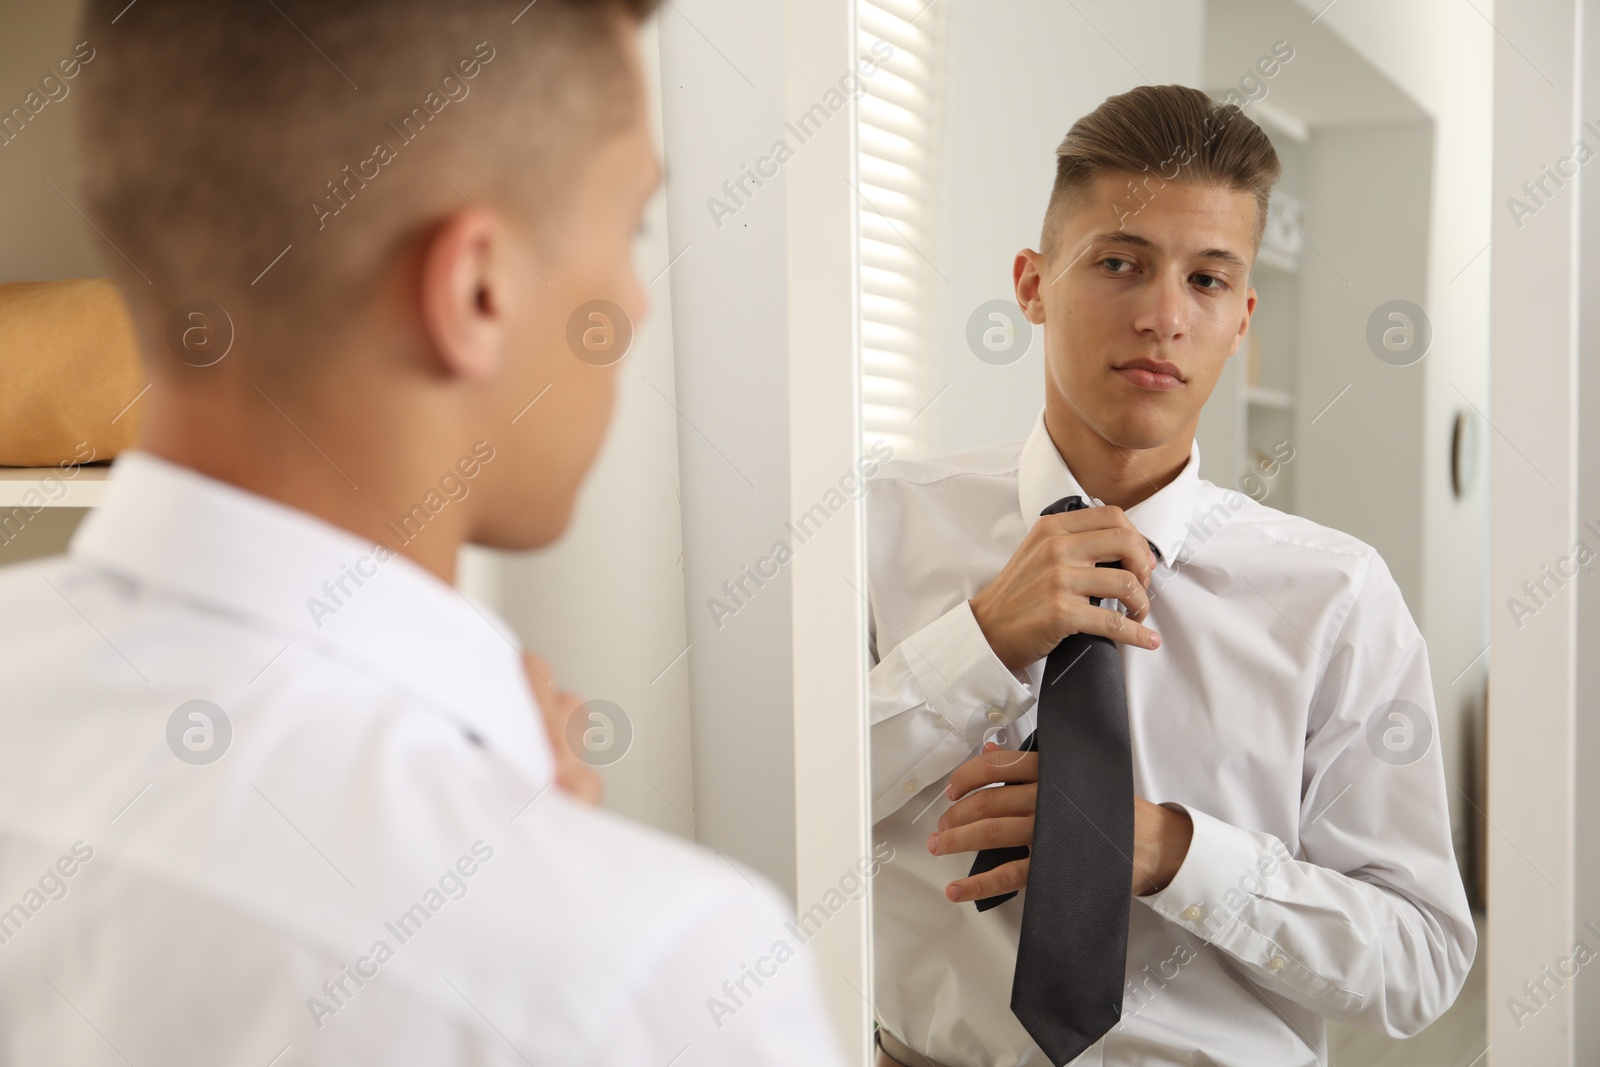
x: 1244, y: 325
x: 465, y: 295
x: 1026, y: 274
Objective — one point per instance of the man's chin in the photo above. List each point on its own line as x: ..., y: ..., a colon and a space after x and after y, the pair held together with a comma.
x: 1129, y: 418
x: 1139, y: 432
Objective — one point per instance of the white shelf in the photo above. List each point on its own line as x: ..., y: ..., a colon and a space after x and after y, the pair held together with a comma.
x: 85, y: 489
x: 1259, y: 397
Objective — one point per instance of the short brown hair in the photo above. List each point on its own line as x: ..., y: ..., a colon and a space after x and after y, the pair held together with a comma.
x: 212, y: 131
x: 1176, y: 134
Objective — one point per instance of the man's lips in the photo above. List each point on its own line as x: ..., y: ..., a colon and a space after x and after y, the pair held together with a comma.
x: 1150, y: 374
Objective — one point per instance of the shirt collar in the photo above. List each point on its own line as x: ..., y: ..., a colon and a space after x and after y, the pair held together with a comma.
x: 1162, y: 517
x: 222, y: 546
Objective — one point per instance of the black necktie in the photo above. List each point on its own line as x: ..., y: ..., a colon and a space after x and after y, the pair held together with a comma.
x: 1067, y: 986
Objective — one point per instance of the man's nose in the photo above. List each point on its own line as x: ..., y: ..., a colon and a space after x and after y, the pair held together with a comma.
x: 1164, y: 306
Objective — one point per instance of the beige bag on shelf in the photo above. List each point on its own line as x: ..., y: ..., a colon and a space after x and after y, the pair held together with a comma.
x: 69, y: 369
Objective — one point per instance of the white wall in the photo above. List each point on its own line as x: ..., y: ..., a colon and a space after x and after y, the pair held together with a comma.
x: 1360, y: 465
x: 723, y: 106
x: 45, y: 239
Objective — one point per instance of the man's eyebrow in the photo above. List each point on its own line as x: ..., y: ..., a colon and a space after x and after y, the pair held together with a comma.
x: 1121, y: 237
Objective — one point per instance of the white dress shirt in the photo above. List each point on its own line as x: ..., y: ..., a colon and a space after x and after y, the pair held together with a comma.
x: 377, y: 869
x: 1320, y: 883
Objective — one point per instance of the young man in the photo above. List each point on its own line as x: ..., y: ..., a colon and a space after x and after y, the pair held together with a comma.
x: 1285, y: 863
x: 273, y: 792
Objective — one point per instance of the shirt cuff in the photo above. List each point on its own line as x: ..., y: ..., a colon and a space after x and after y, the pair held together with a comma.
x: 1221, y: 872
x: 962, y: 678
x: 1214, y: 895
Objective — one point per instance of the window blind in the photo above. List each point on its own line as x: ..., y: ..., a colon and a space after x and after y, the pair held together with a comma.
x: 896, y: 143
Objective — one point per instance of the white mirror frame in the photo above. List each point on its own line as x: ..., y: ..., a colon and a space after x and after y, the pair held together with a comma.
x: 1544, y: 800
x: 832, y: 810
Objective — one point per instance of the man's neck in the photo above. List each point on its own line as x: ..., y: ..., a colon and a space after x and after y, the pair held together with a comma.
x: 1109, y: 472
x: 260, y: 451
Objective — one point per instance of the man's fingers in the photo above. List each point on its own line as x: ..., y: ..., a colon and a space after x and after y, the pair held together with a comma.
x: 1109, y: 583
x: 1101, y: 539
x: 555, y: 704
x: 581, y: 780
x: 1006, y: 878
x: 1087, y: 619
x: 1003, y: 832
x: 1105, y: 517
x: 994, y: 765
x: 991, y: 803
x: 556, y: 707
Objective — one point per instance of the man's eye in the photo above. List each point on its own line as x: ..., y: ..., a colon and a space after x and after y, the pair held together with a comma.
x: 1113, y: 259
x: 1212, y: 278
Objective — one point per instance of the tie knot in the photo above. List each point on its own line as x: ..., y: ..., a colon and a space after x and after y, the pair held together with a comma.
x: 1066, y: 503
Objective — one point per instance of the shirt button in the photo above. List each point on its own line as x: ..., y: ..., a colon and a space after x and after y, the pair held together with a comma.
x: 910, y: 786
x: 1192, y: 913
x: 996, y: 715
x: 1276, y: 963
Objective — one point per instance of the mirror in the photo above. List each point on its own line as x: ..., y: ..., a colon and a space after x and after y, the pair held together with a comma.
x: 1310, y: 778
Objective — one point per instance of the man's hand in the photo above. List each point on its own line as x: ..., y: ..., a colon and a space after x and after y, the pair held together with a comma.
x: 1042, y: 594
x: 557, y: 705
x: 989, y: 818
x: 1160, y: 841
x: 1003, y: 815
